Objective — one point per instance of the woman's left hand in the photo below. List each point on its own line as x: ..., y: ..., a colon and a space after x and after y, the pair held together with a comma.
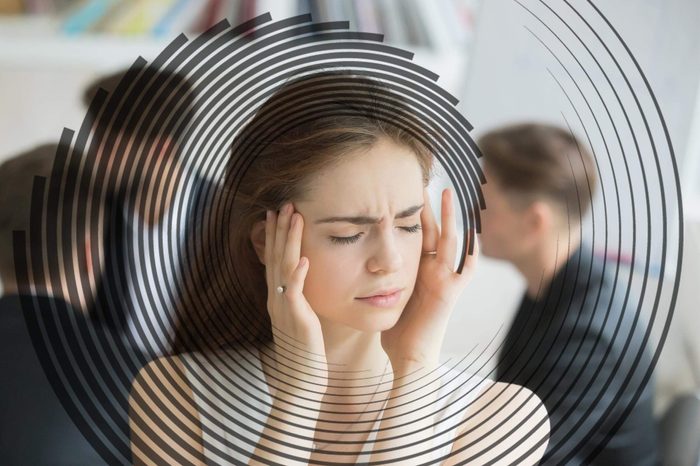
x: 416, y: 340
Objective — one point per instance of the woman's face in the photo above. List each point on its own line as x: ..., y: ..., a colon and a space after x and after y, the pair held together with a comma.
x: 382, y: 189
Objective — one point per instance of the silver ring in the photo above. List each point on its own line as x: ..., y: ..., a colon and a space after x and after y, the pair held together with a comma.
x: 281, y: 289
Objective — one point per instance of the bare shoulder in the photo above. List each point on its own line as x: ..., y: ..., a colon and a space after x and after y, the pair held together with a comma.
x: 163, y: 416
x: 506, y: 423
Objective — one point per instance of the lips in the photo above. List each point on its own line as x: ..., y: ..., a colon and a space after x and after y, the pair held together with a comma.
x: 387, y: 301
x: 379, y: 293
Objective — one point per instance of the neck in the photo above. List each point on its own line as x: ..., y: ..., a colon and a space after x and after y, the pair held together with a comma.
x: 544, y: 261
x: 352, y: 353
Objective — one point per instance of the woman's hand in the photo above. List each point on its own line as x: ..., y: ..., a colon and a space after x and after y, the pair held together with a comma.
x: 295, y: 326
x: 300, y: 353
x: 415, y: 341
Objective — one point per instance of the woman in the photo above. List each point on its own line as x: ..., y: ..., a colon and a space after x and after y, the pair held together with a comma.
x: 329, y: 238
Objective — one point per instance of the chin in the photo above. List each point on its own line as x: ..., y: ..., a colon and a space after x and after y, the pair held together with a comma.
x: 366, y: 318
x: 377, y: 321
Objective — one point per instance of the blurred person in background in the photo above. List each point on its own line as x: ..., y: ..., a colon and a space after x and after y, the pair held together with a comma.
x: 39, y: 424
x: 141, y: 187
x: 129, y: 203
x: 562, y: 343
x: 34, y: 427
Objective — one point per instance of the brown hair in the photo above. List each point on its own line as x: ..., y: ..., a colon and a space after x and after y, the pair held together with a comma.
x: 308, y: 125
x: 534, y: 160
x: 155, y: 94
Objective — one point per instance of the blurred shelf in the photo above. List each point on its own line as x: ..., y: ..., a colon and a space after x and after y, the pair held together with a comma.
x: 35, y: 43
x: 98, y: 52
x: 102, y: 52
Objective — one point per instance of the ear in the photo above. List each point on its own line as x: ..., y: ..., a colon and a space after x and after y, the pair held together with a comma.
x: 257, y: 237
x: 539, y: 218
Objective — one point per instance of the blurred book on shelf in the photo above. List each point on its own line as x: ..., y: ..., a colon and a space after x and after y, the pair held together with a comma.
x: 34, y: 7
x: 9, y: 7
x: 434, y: 25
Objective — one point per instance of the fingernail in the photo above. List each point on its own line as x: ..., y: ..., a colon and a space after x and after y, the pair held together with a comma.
x: 294, y: 220
x: 268, y: 215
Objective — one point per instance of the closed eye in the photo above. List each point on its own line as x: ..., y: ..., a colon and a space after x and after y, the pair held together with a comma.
x: 352, y: 239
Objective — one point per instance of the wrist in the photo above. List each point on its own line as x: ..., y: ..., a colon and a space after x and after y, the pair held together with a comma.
x: 407, y: 370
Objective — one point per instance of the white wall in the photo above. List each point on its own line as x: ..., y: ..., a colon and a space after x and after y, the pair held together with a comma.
x: 508, y: 79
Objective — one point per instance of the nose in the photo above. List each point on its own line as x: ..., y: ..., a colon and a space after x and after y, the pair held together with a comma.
x: 386, y: 256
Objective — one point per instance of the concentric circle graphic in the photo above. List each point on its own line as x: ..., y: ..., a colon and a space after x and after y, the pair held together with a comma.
x: 178, y: 367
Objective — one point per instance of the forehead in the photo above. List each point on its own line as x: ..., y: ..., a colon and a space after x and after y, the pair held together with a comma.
x: 367, y: 181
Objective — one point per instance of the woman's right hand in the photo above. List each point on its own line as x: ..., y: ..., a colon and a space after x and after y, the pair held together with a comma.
x: 295, y: 326
x: 299, y: 353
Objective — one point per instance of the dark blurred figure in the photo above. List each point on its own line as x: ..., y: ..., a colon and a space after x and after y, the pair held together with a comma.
x: 16, y: 178
x: 145, y: 170
x: 562, y: 343
x: 137, y: 174
x: 40, y: 425
x: 68, y: 360
x: 34, y: 428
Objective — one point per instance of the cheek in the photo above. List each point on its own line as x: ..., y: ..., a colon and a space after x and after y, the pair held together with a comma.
x: 413, y: 253
x: 494, y: 223
x: 330, y: 270
x: 496, y: 232
x: 489, y: 220
x: 329, y: 286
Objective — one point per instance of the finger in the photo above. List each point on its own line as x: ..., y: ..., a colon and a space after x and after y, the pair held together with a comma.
x: 470, y: 260
x: 428, y: 224
x: 299, y: 276
x: 270, y: 226
x: 477, y: 244
x: 292, y: 250
x: 281, y: 230
x: 472, y: 241
x: 447, y: 244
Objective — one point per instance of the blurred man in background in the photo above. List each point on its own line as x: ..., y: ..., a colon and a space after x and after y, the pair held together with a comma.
x: 34, y: 426
x: 136, y: 176
x: 562, y: 343
x: 69, y: 357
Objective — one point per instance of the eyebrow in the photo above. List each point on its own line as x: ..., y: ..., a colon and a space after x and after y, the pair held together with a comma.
x: 364, y: 220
